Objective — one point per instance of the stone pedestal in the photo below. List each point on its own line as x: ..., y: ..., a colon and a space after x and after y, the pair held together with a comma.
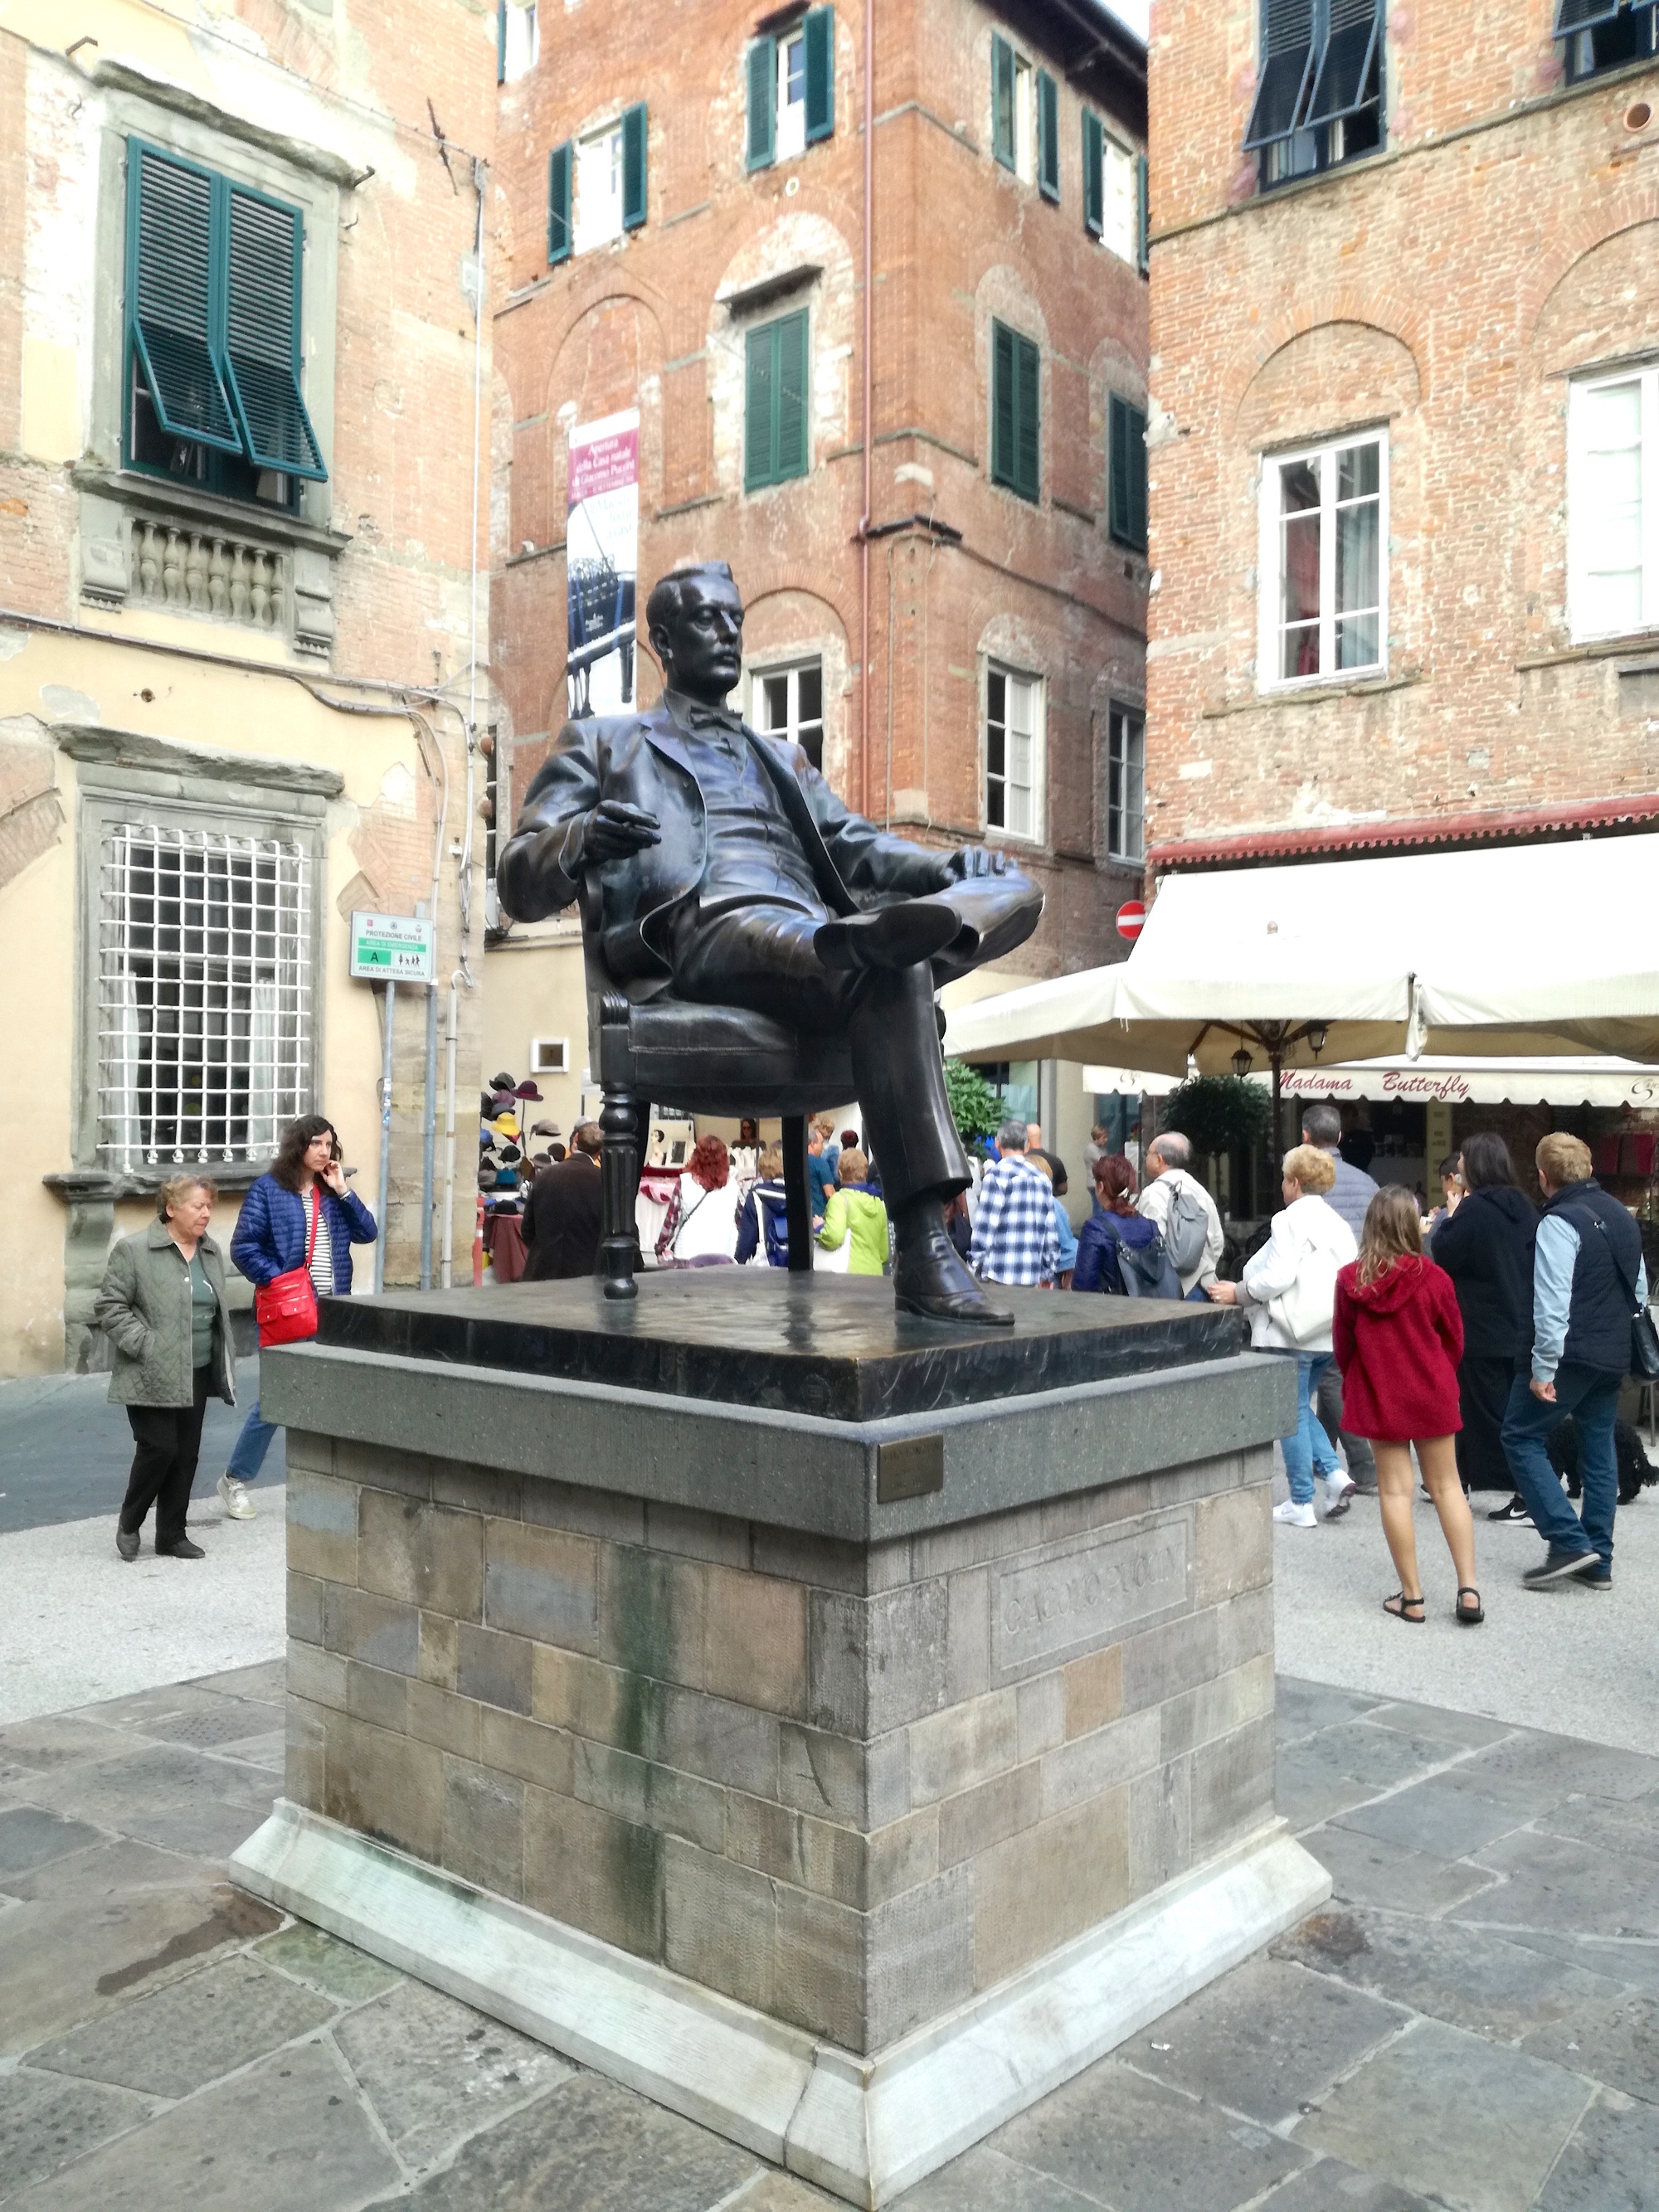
x: 777, y: 1705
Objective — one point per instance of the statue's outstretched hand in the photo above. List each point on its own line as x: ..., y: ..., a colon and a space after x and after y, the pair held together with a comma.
x: 614, y: 830
x: 977, y: 860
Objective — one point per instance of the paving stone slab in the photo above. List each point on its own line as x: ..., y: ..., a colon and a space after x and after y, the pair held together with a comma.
x: 1465, y: 1731
x: 1615, y: 2039
x: 29, y: 1836
x: 1543, y: 1770
x: 1470, y: 1977
x: 1635, y: 1964
x: 1368, y: 1870
x: 264, y: 1681
x: 1138, y: 2147
x: 1475, y: 2127
x: 591, y: 2145
x: 1265, y: 2040
x: 1331, y: 2186
x: 164, y: 1784
x: 268, y: 1751
x: 1300, y: 1707
x: 983, y: 2180
x: 178, y: 2039
x: 285, y: 2136
x: 1306, y: 1792
x: 784, y: 2192
x: 1448, y: 1815
x: 1570, y: 1888
x: 179, y: 1712
x: 59, y: 1741
x: 340, y: 1969
x: 93, y: 1929
x: 1608, y: 1823
x: 1612, y: 2164
x: 435, y: 2071
x: 45, y: 2121
x: 1380, y: 1758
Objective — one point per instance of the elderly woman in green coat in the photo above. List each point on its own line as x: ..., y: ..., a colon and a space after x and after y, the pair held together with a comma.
x: 162, y: 1305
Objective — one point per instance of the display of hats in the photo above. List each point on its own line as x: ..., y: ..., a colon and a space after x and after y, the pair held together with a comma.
x: 545, y: 1129
x: 486, y: 1104
x: 539, y: 1160
x: 507, y: 1154
x: 526, y: 1090
x: 486, y: 1177
x: 502, y: 1082
x: 505, y: 1125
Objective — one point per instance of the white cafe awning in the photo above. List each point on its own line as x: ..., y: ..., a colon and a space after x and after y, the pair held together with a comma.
x: 1433, y: 1080
x: 1513, y: 953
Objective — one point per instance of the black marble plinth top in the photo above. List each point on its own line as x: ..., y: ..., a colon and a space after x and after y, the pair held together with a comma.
x: 822, y: 1344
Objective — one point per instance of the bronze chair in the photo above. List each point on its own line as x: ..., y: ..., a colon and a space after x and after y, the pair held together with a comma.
x: 709, y: 1060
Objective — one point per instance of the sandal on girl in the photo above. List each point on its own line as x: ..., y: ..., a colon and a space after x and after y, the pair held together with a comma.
x: 1405, y: 1608
x: 1467, y: 1616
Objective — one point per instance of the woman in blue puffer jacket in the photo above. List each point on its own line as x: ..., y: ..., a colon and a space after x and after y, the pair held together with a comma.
x: 304, y: 1183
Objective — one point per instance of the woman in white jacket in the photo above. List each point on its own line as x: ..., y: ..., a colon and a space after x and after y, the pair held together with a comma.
x: 1290, y: 1287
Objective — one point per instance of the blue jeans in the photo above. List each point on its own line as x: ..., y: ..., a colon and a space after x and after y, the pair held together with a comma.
x: 1591, y: 1396
x: 1309, y: 1451
x: 253, y: 1444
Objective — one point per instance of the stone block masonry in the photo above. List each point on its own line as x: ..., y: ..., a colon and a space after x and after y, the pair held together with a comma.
x: 853, y: 1786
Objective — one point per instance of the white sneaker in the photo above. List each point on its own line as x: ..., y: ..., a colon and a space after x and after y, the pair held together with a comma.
x: 1298, y: 1517
x: 232, y: 1496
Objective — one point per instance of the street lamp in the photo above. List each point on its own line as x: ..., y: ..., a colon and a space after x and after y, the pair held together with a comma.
x: 1317, y: 1034
x: 1241, y: 1063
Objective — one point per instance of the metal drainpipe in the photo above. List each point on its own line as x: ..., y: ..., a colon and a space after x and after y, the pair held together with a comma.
x: 869, y: 402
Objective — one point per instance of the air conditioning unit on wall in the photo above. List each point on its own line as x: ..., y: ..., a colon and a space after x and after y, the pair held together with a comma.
x: 549, y: 1056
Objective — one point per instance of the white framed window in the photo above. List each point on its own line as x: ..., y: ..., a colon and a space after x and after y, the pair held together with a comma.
x: 1323, y: 579
x: 549, y: 1056
x: 1126, y: 784
x: 204, y: 1006
x: 791, y: 125
x: 597, y: 216
x: 1013, y: 752
x: 1120, y: 200
x: 789, y: 703
x: 521, y: 43
x: 1613, y: 503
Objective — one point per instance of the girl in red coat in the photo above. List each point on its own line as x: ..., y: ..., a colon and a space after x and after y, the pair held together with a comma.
x: 1398, y: 1337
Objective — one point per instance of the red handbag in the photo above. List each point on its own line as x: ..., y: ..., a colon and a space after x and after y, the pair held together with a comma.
x: 285, y: 1307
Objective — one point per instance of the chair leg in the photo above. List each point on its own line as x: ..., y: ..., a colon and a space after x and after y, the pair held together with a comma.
x: 797, y: 1203
x: 619, y: 1168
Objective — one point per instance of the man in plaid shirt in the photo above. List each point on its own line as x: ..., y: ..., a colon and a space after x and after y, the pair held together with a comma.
x: 1015, y: 1240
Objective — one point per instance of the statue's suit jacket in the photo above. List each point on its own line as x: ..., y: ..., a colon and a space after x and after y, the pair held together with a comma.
x: 643, y: 759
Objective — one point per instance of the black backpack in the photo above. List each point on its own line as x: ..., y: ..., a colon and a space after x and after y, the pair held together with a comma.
x: 1145, y: 1271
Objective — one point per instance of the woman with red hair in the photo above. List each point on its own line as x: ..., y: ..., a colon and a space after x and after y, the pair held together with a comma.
x: 701, y: 1227
x: 1116, y: 1227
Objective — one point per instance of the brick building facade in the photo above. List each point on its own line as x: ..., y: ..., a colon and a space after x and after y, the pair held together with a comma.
x: 1404, y: 435
x: 945, y: 601
x: 242, y: 633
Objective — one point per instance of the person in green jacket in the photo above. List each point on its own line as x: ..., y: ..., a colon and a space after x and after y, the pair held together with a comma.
x: 858, y: 1214
x: 162, y: 1305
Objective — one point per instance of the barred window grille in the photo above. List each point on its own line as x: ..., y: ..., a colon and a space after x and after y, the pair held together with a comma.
x: 205, y: 995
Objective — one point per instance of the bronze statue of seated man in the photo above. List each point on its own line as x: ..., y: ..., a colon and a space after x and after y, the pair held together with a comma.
x: 728, y: 870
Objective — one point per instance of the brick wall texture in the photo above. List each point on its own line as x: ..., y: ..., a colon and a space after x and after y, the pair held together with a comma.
x: 849, y: 1787
x: 957, y: 241
x: 1446, y: 288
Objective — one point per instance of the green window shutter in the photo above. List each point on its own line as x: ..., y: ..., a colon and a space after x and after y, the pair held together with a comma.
x: 1126, y: 493
x: 760, y: 390
x: 1028, y: 407
x: 634, y: 131
x: 763, y: 101
x: 558, y: 203
x: 791, y: 388
x: 1048, y: 136
x: 819, y: 33
x: 262, y: 358
x: 501, y: 42
x: 1002, y: 404
x: 1002, y: 100
x: 1094, y: 163
x: 1143, y: 216
x: 175, y: 296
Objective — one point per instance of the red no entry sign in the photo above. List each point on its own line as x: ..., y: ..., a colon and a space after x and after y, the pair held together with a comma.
x: 1131, y: 919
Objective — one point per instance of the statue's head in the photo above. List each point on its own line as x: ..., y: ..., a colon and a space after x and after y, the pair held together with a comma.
x: 694, y: 619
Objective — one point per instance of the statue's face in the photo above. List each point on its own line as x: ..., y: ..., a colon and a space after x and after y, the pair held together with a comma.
x: 701, y: 649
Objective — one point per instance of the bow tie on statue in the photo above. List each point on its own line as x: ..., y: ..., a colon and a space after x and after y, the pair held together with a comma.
x: 705, y: 717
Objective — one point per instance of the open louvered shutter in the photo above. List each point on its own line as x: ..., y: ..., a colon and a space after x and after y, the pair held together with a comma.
x: 1094, y: 158
x: 1048, y: 136
x: 1002, y: 100
x: 1143, y: 215
x: 1286, y: 66
x: 262, y: 336
x: 1028, y: 406
x: 633, y: 140
x: 759, y: 386
x: 763, y: 103
x: 175, y: 267
x: 1572, y: 15
x: 1002, y: 404
x: 791, y: 373
x: 1344, y: 82
x: 1125, y: 500
x: 558, y: 203
x: 819, y: 33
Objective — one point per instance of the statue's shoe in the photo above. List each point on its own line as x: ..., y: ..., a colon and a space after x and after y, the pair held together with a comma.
x: 893, y: 937
x: 929, y: 1279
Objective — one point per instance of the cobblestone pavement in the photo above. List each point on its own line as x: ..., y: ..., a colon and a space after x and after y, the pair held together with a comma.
x: 1472, y: 2022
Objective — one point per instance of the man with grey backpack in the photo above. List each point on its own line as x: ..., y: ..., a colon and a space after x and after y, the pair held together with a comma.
x: 1183, y: 1211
